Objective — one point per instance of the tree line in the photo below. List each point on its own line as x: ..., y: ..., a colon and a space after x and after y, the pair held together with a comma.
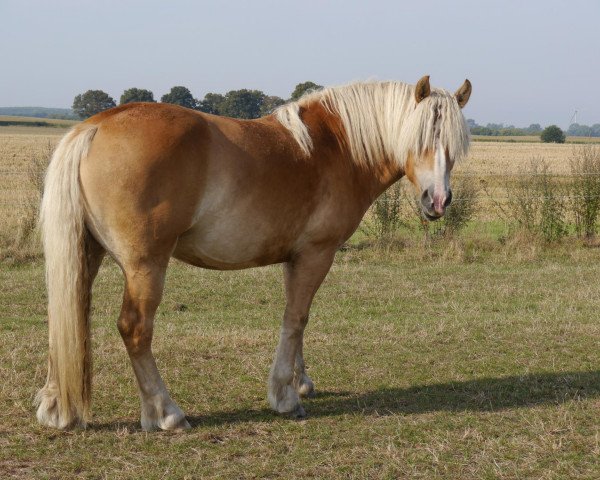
x: 550, y: 134
x: 578, y: 130
x: 242, y: 103
x: 249, y: 104
x: 501, y: 130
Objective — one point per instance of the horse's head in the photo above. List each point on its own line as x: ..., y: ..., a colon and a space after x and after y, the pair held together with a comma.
x: 437, y: 135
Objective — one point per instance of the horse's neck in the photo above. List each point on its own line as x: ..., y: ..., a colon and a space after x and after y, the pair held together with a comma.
x: 381, y: 177
x: 328, y: 132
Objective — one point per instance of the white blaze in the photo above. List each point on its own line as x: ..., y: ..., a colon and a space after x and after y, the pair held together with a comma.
x: 440, y: 179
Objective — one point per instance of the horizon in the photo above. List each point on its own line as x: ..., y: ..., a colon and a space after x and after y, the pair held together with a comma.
x: 531, y: 63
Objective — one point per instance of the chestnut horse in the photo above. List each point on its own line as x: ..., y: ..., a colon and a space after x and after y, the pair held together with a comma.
x: 146, y: 182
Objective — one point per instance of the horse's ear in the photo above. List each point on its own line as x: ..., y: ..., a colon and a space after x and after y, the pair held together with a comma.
x: 463, y: 93
x: 422, y: 89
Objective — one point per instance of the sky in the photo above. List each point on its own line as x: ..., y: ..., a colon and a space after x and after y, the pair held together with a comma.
x: 529, y: 61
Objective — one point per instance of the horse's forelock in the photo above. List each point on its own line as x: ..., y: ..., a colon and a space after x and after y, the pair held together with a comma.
x: 438, y: 117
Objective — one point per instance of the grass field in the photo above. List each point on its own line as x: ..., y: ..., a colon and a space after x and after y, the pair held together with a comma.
x: 457, y: 359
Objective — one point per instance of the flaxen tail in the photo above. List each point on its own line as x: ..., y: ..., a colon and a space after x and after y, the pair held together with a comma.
x: 64, y: 401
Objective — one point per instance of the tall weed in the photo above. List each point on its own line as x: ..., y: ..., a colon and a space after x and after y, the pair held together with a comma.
x: 536, y: 202
x: 386, y: 213
x: 584, y: 186
x: 461, y: 210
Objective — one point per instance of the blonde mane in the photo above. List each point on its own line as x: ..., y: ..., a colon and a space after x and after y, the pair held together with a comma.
x: 383, y: 120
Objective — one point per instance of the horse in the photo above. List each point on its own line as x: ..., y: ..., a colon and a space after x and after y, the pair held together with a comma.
x: 145, y: 182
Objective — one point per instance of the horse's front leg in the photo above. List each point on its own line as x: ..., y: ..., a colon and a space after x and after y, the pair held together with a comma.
x: 303, y: 276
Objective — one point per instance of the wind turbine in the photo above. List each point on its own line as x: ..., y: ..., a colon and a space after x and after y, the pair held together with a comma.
x: 574, y: 116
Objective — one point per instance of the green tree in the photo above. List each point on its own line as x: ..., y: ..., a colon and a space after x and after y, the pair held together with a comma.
x: 180, y: 96
x: 303, y: 88
x: 270, y: 103
x: 92, y: 102
x: 553, y: 134
x: 479, y: 130
x: 136, y: 95
x: 534, y: 129
x: 242, y: 103
x: 578, y: 130
x: 212, y: 103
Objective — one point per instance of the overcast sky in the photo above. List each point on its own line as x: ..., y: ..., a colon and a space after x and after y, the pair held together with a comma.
x: 529, y: 61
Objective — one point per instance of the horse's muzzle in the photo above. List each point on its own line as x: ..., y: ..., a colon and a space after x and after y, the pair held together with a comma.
x: 433, y: 204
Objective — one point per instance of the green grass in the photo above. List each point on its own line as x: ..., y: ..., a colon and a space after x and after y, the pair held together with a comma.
x: 428, y: 365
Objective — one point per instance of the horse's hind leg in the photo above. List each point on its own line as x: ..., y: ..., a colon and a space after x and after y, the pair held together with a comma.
x: 143, y: 292
x: 303, y: 277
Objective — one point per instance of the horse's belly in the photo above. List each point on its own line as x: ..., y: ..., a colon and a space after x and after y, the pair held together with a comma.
x: 231, y: 247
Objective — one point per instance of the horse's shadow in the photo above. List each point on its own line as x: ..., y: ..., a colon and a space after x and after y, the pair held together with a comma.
x: 480, y: 395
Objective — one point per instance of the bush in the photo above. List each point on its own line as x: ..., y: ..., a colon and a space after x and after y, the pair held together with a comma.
x: 584, y: 187
x: 553, y: 134
x: 536, y: 202
x: 463, y: 206
x: 386, y: 213
x: 458, y: 214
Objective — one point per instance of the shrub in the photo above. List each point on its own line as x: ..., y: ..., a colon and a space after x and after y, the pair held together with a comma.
x: 553, y: 134
x: 536, y: 202
x: 386, y: 213
x: 460, y: 211
x: 584, y: 187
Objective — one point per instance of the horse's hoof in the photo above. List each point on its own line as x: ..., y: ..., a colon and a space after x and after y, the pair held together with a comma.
x: 299, y: 413
x: 307, y: 390
x: 182, y: 425
x: 173, y: 420
x: 306, y: 387
x: 175, y: 424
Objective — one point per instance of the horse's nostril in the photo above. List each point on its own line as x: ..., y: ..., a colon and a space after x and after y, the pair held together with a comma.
x: 448, y: 198
x: 426, y: 200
